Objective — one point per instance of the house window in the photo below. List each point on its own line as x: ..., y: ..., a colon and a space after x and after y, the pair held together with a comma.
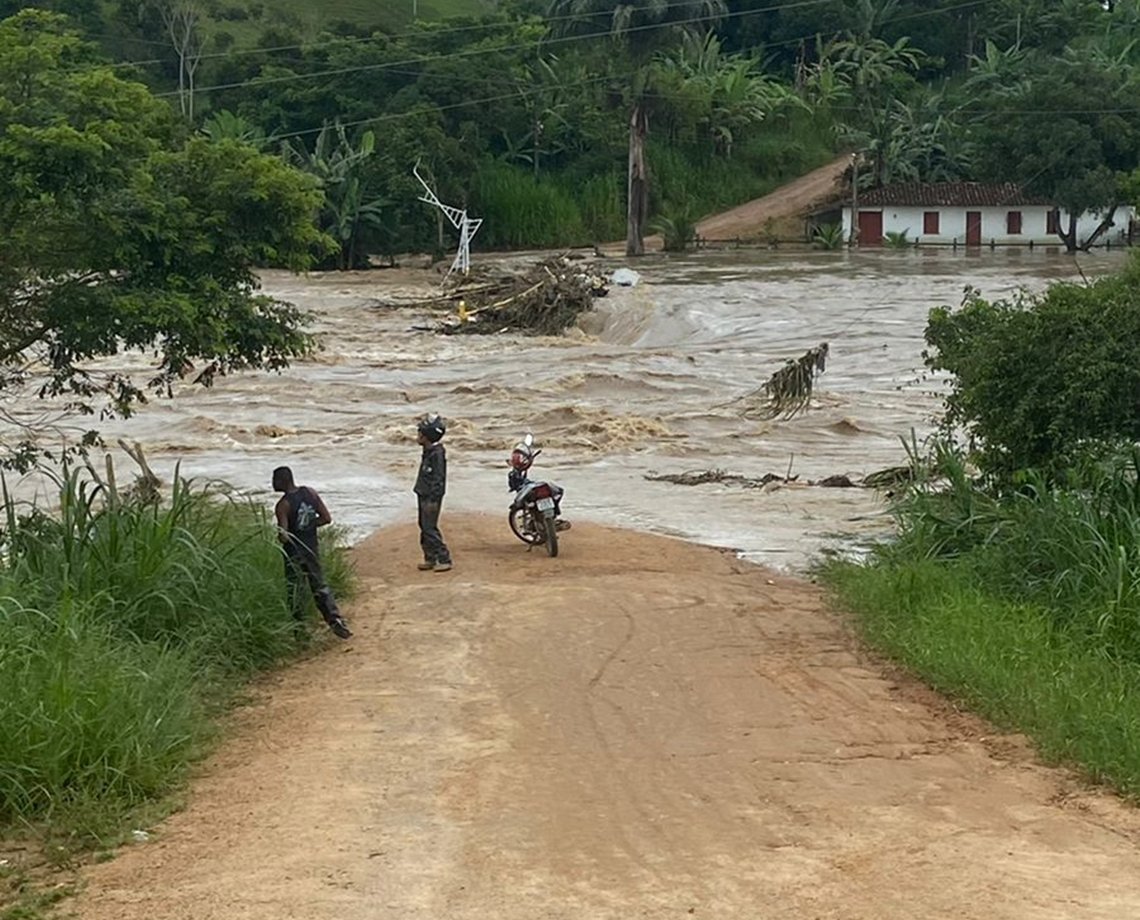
x: 1013, y: 222
x: 1052, y: 222
x: 930, y: 223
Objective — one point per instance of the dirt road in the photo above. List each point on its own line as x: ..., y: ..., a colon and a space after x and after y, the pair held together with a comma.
x: 747, y: 221
x: 779, y: 212
x: 639, y: 728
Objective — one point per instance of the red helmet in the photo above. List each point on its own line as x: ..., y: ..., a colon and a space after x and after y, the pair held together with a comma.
x: 520, y: 457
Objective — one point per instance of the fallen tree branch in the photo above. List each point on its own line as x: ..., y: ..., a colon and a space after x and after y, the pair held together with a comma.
x: 545, y: 299
x: 788, y: 391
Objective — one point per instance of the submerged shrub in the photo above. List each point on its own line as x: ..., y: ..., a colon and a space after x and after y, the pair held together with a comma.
x: 677, y: 226
x: 828, y: 236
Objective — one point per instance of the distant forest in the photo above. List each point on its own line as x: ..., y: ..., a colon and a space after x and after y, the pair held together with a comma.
x: 575, y: 121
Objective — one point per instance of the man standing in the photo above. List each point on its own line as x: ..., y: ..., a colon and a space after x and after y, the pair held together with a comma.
x: 300, y: 512
x: 431, y: 485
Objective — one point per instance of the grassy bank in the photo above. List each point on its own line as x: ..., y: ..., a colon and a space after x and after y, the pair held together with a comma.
x: 125, y: 628
x: 1024, y: 604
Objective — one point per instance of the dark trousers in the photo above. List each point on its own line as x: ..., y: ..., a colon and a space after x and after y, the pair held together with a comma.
x: 305, y: 566
x: 431, y: 540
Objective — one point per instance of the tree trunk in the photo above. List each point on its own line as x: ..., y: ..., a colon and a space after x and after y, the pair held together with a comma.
x: 190, y: 68
x: 181, y: 18
x: 638, y: 191
x: 1106, y: 224
x: 182, y: 81
x: 971, y: 36
x: 1069, y: 238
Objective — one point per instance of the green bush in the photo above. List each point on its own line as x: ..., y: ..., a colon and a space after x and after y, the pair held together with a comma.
x: 828, y: 236
x: 677, y: 226
x: 124, y: 625
x: 1071, y: 547
x: 1038, y: 380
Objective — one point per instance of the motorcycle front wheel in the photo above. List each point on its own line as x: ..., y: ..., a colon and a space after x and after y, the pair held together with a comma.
x: 551, y: 536
x: 518, y: 519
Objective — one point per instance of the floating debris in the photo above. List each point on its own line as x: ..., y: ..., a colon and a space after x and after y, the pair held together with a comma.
x: 704, y: 477
x: 891, y: 476
x: 835, y: 482
x: 544, y: 299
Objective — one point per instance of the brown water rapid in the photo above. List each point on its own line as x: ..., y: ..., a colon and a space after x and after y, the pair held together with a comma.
x: 642, y: 389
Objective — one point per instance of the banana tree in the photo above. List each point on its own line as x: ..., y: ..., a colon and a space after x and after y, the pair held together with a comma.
x: 877, y: 73
x: 350, y: 210
x: 728, y: 91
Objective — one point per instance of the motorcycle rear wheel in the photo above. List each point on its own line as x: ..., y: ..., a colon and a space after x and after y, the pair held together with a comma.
x: 551, y: 536
x: 517, y: 519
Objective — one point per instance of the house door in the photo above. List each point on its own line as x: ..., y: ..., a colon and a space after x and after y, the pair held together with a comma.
x: 870, y: 228
x: 973, y: 228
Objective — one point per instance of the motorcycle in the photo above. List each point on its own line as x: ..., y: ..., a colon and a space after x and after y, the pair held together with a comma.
x: 535, y: 515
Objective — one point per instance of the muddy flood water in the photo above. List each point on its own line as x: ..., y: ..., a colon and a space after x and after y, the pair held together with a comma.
x: 641, y: 390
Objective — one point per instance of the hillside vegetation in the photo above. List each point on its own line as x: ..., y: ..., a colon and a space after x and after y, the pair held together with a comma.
x: 574, y: 121
x: 374, y: 14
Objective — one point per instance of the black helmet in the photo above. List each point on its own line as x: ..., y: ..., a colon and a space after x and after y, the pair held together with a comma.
x: 432, y: 427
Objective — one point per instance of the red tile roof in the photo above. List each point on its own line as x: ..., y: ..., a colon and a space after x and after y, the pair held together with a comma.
x: 950, y: 194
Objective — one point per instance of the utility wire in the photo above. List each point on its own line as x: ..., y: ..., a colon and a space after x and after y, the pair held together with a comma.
x: 473, y: 52
x: 432, y: 31
x: 394, y: 116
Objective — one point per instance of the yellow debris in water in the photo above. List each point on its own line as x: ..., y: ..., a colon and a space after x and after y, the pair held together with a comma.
x: 463, y: 311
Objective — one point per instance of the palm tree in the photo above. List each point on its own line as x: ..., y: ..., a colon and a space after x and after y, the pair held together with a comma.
x: 875, y: 72
x: 641, y: 27
x: 224, y: 125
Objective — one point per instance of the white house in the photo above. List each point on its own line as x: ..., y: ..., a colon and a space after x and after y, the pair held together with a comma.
x: 972, y: 214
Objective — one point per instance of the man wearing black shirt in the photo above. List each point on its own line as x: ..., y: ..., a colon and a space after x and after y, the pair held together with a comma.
x: 300, y: 512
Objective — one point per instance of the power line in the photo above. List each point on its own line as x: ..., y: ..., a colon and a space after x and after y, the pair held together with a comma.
x: 393, y: 116
x: 545, y: 41
x: 450, y: 106
x: 516, y: 94
x: 433, y: 31
x: 1002, y: 112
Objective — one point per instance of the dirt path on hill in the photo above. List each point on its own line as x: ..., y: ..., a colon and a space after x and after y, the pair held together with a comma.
x: 747, y: 221
x: 750, y: 221
x: 639, y: 728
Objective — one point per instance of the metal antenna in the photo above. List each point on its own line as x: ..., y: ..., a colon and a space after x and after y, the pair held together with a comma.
x: 467, y: 226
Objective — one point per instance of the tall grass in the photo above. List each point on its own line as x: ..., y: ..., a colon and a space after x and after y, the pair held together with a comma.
x: 124, y: 627
x: 1024, y: 599
x: 519, y: 210
x: 1005, y: 659
x: 601, y: 200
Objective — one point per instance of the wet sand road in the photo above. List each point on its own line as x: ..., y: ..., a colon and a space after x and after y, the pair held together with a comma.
x: 639, y: 728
